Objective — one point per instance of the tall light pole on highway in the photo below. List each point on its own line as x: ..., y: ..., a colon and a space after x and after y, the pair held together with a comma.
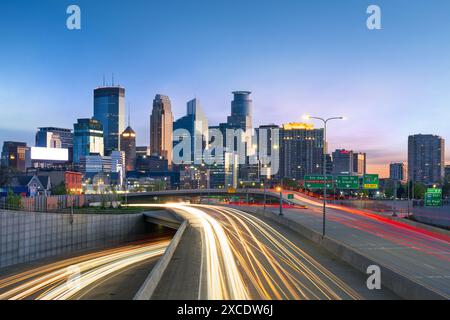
x: 280, y: 188
x: 325, y: 121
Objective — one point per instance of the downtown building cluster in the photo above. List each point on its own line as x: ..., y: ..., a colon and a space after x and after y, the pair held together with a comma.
x: 100, y: 153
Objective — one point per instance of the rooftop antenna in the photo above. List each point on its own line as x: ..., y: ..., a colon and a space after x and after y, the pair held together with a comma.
x: 129, y: 112
x: 113, y: 80
x: 103, y: 79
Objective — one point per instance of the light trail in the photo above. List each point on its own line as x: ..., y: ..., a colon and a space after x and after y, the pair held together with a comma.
x: 283, y: 271
x: 62, y: 280
x: 248, y: 259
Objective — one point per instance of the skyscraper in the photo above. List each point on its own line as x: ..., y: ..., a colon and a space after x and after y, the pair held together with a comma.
x: 109, y: 110
x: 161, y: 128
x: 241, y: 118
x: 241, y: 110
x: 359, y: 163
x: 51, y: 137
x: 196, y: 123
x: 343, y: 162
x: 301, y: 150
x: 426, y: 158
x: 128, y: 146
x: 16, y: 155
x: 88, y: 139
x: 397, y: 171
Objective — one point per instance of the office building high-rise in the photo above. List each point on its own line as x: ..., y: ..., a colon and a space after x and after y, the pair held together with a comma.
x: 196, y: 123
x: 426, y: 158
x: 343, y: 162
x: 359, y: 163
x: 241, y: 110
x: 161, y: 128
x: 241, y: 118
x: 16, y: 155
x: 301, y: 150
x: 397, y: 171
x: 51, y: 137
x: 128, y: 146
x: 88, y: 139
x: 109, y: 110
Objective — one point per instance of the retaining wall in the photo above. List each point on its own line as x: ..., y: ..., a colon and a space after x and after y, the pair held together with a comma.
x: 29, y: 236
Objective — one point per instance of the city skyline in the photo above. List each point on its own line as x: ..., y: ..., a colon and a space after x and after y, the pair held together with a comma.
x: 389, y: 86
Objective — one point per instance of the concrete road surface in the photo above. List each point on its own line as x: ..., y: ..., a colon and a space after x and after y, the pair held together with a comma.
x: 417, y: 253
x: 115, y: 273
x: 229, y: 254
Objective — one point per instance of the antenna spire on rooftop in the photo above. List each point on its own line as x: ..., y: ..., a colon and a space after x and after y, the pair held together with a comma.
x: 129, y: 113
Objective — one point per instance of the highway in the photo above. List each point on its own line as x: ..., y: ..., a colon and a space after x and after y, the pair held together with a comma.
x: 244, y: 257
x: 415, y: 252
x: 84, y: 276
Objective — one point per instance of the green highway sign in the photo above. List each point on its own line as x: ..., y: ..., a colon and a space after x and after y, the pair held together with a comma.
x: 347, y: 182
x: 434, y: 190
x: 371, y: 181
x: 316, y: 181
x: 434, y: 198
x: 290, y: 196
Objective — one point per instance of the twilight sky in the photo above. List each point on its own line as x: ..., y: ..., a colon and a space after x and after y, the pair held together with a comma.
x: 297, y: 57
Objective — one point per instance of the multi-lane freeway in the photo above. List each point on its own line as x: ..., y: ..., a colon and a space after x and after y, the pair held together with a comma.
x: 80, y: 276
x: 226, y: 253
x: 244, y: 257
x: 411, y: 250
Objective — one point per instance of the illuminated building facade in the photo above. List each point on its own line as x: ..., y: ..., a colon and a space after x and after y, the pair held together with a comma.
x: 128, y: 146
x: 301, y: 150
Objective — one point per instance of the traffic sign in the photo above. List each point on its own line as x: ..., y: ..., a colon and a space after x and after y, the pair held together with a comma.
x: 347, y: 182
x: 317, y: 181
x: 290, y: 196
x: 434, y: 190
x: 433, y: 199
x: 371, y: 181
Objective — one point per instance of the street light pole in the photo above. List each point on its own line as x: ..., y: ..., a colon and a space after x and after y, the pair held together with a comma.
x: 324, y: 175
x: 281, y: 197
x: 325, y: 122
x: 264, y: 182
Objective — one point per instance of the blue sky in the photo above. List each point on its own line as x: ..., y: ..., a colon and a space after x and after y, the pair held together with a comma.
x: 296, y: 57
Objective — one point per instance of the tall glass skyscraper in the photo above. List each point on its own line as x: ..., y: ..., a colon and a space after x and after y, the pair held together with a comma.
x: 109, y: 110
x: 196, y: 123
x: 87, y: 139
x: 241, y: 111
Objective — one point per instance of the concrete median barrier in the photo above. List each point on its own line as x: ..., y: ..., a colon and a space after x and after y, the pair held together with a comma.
x: 148, y: 288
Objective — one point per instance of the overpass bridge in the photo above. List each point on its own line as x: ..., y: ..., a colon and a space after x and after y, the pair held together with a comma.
x: 141, y: 197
